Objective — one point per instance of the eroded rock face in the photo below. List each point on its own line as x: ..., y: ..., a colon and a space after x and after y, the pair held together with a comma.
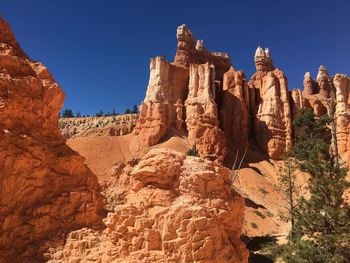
x: 329, y: 88
x: 192, y: 51
x: 235, y: 110
x: 45, y: 187
x: 164, y: 110
x: 342, y: 110
x: 167, y: 86
x: 97, y: 126
x: 202, y: 114
x: 310, y: 87
x: 272, y: 123
x: 169, y: 208
x: 324, y: 82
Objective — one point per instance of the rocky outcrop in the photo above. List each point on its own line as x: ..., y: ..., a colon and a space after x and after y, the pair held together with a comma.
x: 97, y: 126
x: 235, y: 110
x: 330, y: 92
x: 45, y: 187
x: 341, y: 83
x: 310, y: 86
x: 162, y: 112
x: 202, y: 114
x: 272, y: 121
x: 324, y: 82
x: 158, y: 113
x: 167, y: 208
x: 190, y: 51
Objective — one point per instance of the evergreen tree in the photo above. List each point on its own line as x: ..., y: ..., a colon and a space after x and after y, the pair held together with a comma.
x: 113, y: 112
x: 127, y: 111
x: 287, y: 179
x: 322, y: 221
x: 99, y: 114
x: 78, y: 114
x: 135, y: 110
x: 67, y: 113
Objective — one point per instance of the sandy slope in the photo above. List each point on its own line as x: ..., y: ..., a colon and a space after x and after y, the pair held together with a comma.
x: 101, y: 153
x: 257, y: 181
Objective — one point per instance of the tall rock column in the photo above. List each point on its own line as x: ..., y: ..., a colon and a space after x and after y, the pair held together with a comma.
x: 342, y: 113
x: 235, y: 110
x: 202, y: 114
x: 324, y: 82
x: 273, y: 123
x: 166, y: 88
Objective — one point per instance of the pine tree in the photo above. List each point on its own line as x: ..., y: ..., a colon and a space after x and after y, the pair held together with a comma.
x: 287, y: 180
x: 135, y: 110
x: 99, y: 114
x: 67, y: 113
x: 322, y: 221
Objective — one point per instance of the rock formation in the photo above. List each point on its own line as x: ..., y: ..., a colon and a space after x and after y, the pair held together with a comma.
x: 342, y: 114
x: 167, y: 85
x: 202, y: 114
x: 167, y: 208
x: 310, y: 87
x: 170, y: 84
x: 235, y: 110
x: 97, y: 126
x: 324, y: 82
x: 45, y: 187
x: 272, y: 122
x: 189, y: 51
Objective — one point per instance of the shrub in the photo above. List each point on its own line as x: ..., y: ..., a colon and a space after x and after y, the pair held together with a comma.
x: 193, y: 151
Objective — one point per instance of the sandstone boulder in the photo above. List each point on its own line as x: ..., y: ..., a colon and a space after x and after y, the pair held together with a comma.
x: 181, y: 209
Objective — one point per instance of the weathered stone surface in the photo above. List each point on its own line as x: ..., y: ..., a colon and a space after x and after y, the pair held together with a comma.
x: 324, y: 82
x: 97, y: 126
x: 45, y: 187
x: 202, y: 114
x: 167, y: 85
x: 263, y: 61
x: 272, y: 123
x: 182, y: 209
x: 310, y: 87
x: 189, y: 51
x: 342, y: 114
x: 235, y: 110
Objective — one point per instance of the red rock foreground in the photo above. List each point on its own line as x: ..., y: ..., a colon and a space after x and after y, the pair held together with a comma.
x: 44, y: 186
x: 167, y: 208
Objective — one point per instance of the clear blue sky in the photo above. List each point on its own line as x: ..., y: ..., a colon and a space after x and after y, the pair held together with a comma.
x: 99, y: 50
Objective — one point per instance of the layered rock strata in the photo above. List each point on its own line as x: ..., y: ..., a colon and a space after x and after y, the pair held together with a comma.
x: 167, y: 208
x: 97, y: 126
x: 45, y: 187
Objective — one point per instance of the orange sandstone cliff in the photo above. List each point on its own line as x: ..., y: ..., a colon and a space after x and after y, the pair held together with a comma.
x: 45, y: 188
